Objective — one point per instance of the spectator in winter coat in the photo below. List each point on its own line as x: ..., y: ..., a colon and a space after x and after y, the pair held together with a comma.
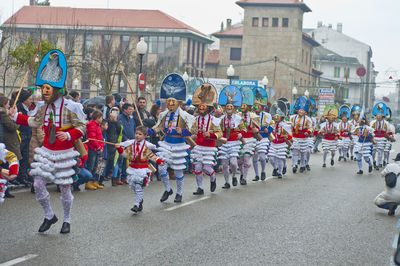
x: 10, y: 138
x: 113, y: 133
x: 128, y: 132
x: 110, y: 102
x: 25, y: 132
x: 93, y: 131
x: 146, y: 117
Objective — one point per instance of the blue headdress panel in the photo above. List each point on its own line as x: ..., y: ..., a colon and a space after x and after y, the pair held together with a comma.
x: 260, y: 95
x: 302, y: 103
x: 173, y: 86
x: 52, y: 70
x: 313, y: 105
x: 379, y: 109
x: 356, y: 109
x: 292, y: 111
x: 230, y: 95
x: 248, y: 95
x: 344, y: 110
x: 388, y: 113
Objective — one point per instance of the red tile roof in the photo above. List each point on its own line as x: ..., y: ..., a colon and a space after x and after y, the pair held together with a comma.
x: 212, y: 57
x: 233, y: 32
x: 126, y: 18
x: 310, y: 40
x: 278, y: 3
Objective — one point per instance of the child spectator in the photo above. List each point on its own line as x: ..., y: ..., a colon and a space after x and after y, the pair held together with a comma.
x: 93, y: 131
x: 85, y: 176
x: 138, y: 153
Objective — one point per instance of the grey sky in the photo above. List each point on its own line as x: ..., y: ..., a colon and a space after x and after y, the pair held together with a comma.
x: 375, y: 22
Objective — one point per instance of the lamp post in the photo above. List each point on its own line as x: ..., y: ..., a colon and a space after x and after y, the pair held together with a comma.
x: 306, y: 93
x: 185, y: 77
x: 265, y: 83
x: 76, y: 83
x: 141, y: 49
x: 294, y: 92
x: 121, y: 85
x: 230, y: 72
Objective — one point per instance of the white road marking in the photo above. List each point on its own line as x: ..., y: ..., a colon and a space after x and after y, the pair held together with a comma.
x: 19, y: 260
x: 185, y: 204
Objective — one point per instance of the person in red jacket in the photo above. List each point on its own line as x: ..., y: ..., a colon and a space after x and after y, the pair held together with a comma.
x: 93, y: 131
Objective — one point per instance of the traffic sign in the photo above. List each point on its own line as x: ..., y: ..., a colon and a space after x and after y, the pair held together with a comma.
x: 142, y: 81
x: 361, y: 71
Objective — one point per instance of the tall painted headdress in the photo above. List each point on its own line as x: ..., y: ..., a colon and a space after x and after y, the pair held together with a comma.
x: 302, y: 103
x: 173, y: 86
x: 260, y: 96
x: 379, y: 109
x: 279, y: 108
x: 331, y: 110
x: 52, y: 70
x: 248, y: 96
x: 205, y: 94
x: 230, y: 95
x: 313, y: 106
x: 356, y: 109
x: 344, y: 110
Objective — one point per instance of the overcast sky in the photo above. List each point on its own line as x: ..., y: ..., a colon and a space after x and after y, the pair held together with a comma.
x: 375, y: 22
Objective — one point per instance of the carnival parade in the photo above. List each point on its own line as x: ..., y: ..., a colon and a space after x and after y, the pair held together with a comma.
x: 128, y: 137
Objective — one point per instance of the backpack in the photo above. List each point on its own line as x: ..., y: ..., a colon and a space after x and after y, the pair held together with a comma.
x: 391, y: 179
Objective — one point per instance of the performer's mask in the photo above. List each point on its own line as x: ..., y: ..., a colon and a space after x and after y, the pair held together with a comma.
x: 356, y: 117
x: 229, y: 109
x: 202, y: 109
x: 344, y: 119
x: 277, y: 118
x: 257, y: 108
x: 172, y: 104
x: 379, y: 117
x: 301, y: 112
x: 244, y: 108
x: 50, y: 94
x: 331, y: 119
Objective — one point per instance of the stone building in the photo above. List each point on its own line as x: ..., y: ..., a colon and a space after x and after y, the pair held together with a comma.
x: 84, y: 33
x: 271, y: 43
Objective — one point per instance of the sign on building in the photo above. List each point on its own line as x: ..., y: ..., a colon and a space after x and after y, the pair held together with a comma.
x: 325, y: 97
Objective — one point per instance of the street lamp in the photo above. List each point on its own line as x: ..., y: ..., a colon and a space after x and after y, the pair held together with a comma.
x: 230, y: 72
x: 306, y: 93
x: 121, y: 85
x: 265, y: 83
x: 76, y: 82
x: 185, y: 77
x: 294, y: 92
x: 141, y: 49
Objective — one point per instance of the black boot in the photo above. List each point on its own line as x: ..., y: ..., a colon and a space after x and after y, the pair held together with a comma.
x: 308, y: 167
x: 140, y: 206
x: 199, y: 191
x: 178, y: 198
x: 135, y: 209
x: 340, y: 158
x: 332, y: 162
x: 263, y: 176
x: 213, y: 185
x: 243, y: 181
x: 66, y: 228
x: 324, y: 165
x: 352, y: 158
x: 279, y: 176
x: 166, y: 195
x: 47, y: 224
x: 226, y: 186
x: 294, y: 169
x: 275, y: 172
x: 302, y: 169
x: 7, y: 194
x: 370, y: 169
x: 234, y: 181
x: 284, y: 170
x: 256, y: 178
x: 360, y: 172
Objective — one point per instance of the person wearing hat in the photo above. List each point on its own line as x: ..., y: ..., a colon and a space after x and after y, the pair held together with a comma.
x: 266, y: 123
x: 389, y: 199
x: 63, y: 122
x: 174, y: 124
x: 330, y: 133
x: 231, y: 124
x: 205, y: 131
x: 301, y: 129
x: 25, y: 132
x: 252, y: 124
x: 363, y: 146
x: 389, y: 136
x: 282, y: 132
x: 380, y: 127
x: 345, y: 128
x: 355, y: 118
x: 314, y: 129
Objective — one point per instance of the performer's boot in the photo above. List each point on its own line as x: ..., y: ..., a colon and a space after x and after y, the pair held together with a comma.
x: 47, y: 224
x: 256, y: 178
x: 234, y: 181
x: 275, y: 172
x: 370, y: 169
x: 135, y: 209
x: 178, y: 198
x: 66, y: 228
x: 284, y: 170
x: 140, y: 206
x: 392, y: 209
x: 226, y: 186
x: 308, y: 167
x: 332, y: 162
x: 213, y: 185
x: 263, y: 176
x: 360, y: 172
x: 199, y: 191
x: 166, y: 195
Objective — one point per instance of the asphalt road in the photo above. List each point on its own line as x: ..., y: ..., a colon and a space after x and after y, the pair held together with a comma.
x: 326, y: 216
